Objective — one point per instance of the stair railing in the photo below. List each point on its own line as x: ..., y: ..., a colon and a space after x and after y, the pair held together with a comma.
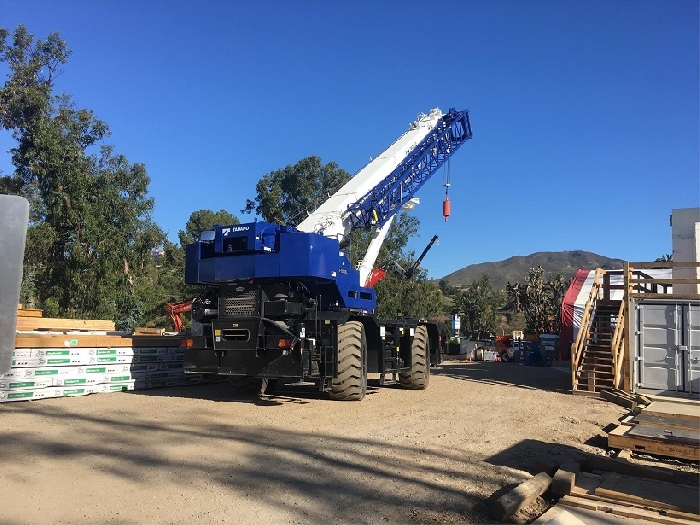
x: 618, y: 346
x: 585, y: 326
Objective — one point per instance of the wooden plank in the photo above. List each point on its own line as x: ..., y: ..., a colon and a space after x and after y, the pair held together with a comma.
x: 586, y: 483
x: 607, y: 508
x: 622, y: 466
x: 28, y: 312
x: 618, y: 438
x: 149, y: 331
x: 93, y: 341
x: 664, y: 264
x: 678, y: 296
x: 659, y: 494
x: 649, y: 505
x: 628, y: 421
x: 26, y: 324
x: 621, y: 400
x: 564, y: 479
x: 664, y: 281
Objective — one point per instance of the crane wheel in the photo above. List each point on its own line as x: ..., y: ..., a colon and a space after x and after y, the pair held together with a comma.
x: 418, y: 377
x: 351, y: 383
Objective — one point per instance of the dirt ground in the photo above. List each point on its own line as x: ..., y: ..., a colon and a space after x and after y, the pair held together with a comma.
x: 196, y: 455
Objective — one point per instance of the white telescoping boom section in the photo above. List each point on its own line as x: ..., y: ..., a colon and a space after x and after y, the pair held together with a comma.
x: 387, y: 184
x: 332, y: 218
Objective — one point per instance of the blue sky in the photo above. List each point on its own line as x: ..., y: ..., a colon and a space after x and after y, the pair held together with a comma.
x: 585, y: 113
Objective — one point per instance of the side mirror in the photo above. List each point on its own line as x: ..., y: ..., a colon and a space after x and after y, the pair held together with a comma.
x: 207, y: 235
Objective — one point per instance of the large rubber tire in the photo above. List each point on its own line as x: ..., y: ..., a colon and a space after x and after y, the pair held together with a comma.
x: 252, y: 386
x: 351, y: 383
x: 418, y: 377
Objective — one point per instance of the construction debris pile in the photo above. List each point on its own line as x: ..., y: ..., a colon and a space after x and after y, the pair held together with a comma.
x: 73, y: 357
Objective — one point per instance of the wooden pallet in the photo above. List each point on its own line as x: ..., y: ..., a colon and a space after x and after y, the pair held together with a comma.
x: 611, y: 494
x: 663, y: 428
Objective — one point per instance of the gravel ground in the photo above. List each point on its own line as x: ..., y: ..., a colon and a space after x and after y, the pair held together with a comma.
x: 197, y: 455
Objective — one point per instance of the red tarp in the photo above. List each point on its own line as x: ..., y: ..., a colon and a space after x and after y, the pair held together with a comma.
x: 566, y: 330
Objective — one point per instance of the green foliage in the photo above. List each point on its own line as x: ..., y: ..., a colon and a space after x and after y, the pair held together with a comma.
x: 289, y: 195
x: 539, y: 300
x: 402, y: 229
x: 167, y: 280
x: 202, y: 220
x: 90, y: 236
x: 447, y: 288
x: 400, y: 297
x: 479, y: 306
x: 667, y: 257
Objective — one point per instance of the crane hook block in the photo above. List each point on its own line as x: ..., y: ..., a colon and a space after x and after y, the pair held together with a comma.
x: 446, y: 208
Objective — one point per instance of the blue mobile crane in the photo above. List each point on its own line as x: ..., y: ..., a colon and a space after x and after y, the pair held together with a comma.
x: 281, y: 302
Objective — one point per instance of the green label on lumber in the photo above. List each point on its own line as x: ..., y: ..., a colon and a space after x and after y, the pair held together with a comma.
x: 57, y: 352
x: 73, y: 391
x: 120, y: 379
x: 20, y: 395
x: 95, y: 370
x: 50, y: 372
x: 22, y: 384
x: 75, y: 381
x: 58, y: 361
x: 106, y: 351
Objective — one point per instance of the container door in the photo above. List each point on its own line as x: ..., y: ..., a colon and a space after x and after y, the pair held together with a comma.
x: 657, y: 362
x: 692, y: 342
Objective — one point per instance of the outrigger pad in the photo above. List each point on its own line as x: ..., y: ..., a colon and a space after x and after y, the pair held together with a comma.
x: 14, y: 217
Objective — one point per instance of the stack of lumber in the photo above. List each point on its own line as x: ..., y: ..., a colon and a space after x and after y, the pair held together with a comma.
x: 610, y: 496
x: 71, y: 357
x: 662, y: 428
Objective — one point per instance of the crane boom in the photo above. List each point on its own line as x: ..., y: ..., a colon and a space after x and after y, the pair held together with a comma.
x: 332, y: 218
x: 394, y: 191
x: 372, y: 198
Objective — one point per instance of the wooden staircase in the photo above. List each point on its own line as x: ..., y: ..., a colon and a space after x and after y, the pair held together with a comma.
x: 597, y: 355
x: 596, y: 370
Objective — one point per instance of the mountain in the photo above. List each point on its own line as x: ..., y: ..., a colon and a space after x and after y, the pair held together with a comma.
x: 516, y: 269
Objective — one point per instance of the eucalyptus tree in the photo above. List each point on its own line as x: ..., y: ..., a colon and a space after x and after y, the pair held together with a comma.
x: 90, y: 237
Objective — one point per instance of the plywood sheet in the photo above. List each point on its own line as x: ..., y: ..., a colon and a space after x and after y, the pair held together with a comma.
x: 659, y: 494
x: 675, y: 409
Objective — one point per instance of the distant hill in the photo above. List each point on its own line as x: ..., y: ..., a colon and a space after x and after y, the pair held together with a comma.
x: 515, y: 269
